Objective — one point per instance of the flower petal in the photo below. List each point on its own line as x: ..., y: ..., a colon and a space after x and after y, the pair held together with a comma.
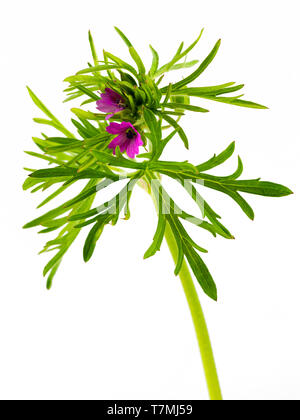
x: 127, y: 143
x: 114, y: 128
x: 112, y: 95
x: 120, y: 141
x: 133, y: 146
x: 110, y: 102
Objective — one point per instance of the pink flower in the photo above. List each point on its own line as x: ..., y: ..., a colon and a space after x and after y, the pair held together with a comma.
x: 110, y: 103
x: 128, y: 139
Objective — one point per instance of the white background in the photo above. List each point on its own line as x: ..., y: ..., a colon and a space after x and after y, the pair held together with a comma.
x: 119, y: 327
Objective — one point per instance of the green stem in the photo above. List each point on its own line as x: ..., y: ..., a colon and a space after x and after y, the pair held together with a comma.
x: 191, y: 294
x: 198, y: 320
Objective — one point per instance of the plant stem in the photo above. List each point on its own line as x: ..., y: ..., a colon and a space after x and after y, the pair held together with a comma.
x: 198, y: 320
x: 191, y: 294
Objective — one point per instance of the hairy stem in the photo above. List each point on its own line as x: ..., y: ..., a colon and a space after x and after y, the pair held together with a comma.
x: 198, y: 320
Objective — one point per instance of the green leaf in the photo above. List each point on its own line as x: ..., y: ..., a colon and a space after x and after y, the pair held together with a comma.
x: 209, y: 91
x: 201, y: 272
x: 184, y: 65
x: 192, y: 46
x: 238, y: 171
x: 81, y: 79
x: 92, y: 239
x: 48, y: 219
x: 132, y: 52
x: 126, y: 77
x: 223, y: 179
x: 186, y: 238
x: 173, y: 113
x: 53, y: 195
x: 88, y: 101
x: 168, y: 94
x: 82, y: 130
x: 236, y: 101
x: 72, y: 172
x: 196, y: 263
x: 173, y: 168
x: 205, y: 209
x: 51, y: 275
x: 96, y: 174
x: 234, y: 195
x: 158, y: 237
x: 255, y: 186
x: 94, y: 132
x: 63, y: 140
x: 30, y: 182
x: 100, y: 67
x: 199, y: 71
x: 87, y: 115
x: 123, y: 36
x: 179, y: 243
x: 44, y: 157
x: 64, y: 147
x: 88, y: 192
x: 155, y: 62
x: 178, y: 56
x: 154, y: 127
x: 217, y: 160
x: 54, y: 172
x: 199, y: 222
x: 152, y: 123
x: 164, y: 142
x: 93, y: 49
x: 123, y: 65
x: 118, y: 161
x: 41, y: 106
x: 137, y: 60
x: 88, y: 92
x: 45, y: 110
x: 65, y: 239
x: 177, y: 127
x: 185, y: 106
x: 54, y: 125
x: 113, y: 206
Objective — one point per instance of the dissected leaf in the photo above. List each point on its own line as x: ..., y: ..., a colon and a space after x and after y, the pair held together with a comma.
x: 150, y: 110
x: 205, y: 63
